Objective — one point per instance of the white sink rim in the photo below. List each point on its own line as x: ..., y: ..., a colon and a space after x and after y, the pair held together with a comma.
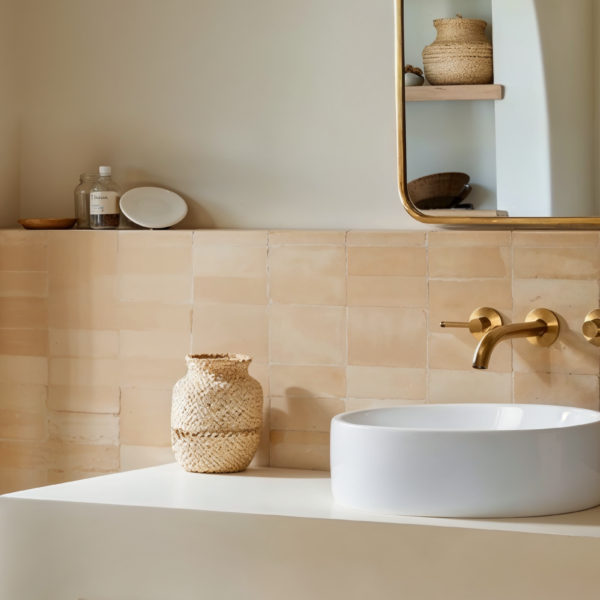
x: 586, y: 416
x: 551, y: 467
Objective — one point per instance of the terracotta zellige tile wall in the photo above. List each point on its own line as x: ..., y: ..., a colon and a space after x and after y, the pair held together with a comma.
x: 155, y: 283
x: 94, y: 328
x: 560, y: 272
x: 308, y: 340
x: 83, y: 392
x: 387, y: 319
x: 467, y: 270
x: 23, y: 359
x: 231, y: 304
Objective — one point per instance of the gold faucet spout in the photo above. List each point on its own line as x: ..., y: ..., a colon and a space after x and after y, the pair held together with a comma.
x: 490, y: 340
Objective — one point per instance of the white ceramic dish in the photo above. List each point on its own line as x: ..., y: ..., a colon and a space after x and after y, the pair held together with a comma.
x: 153, y: 207
x: 467, y: 461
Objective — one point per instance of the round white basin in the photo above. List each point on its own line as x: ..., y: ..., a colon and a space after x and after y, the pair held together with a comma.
x: 469, y: 461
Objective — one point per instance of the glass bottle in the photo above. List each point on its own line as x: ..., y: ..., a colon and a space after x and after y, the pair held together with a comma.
x: 104, y: 202
x: 82, y: 199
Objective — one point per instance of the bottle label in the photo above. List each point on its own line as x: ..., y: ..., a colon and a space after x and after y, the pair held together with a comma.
x: 104, y: 203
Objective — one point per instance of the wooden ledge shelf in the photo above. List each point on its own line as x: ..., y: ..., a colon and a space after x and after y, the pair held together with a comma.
x: 431, y: 93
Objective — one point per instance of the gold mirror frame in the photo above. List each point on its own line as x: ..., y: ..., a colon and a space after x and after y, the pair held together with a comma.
x: 414, y: 212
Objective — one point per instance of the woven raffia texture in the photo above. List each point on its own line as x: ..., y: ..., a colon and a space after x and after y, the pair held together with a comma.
x: 461, y: 54
x: 216, y: 416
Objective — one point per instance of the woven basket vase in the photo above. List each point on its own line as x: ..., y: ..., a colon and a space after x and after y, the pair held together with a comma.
x: 216, y: 415
x: 461, y: 54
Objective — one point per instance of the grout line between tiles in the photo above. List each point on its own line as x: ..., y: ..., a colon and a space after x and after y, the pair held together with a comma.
x: 193, y: 292
x: 347, y: 354
x: 118, y: 279
x: 312, y: 245
x: 319, y: 305
x: 427, y: 317
x: 269, y: 304
x: 598, y: 303
x: 512, y: 294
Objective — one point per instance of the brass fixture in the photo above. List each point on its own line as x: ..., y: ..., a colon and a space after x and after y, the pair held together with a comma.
x: 481, y: 322
x: 541, y: 328
x: 591, y: 328
x: 413, y: 211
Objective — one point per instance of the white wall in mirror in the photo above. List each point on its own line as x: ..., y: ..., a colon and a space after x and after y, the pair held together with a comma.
x: 544, y: 55
x: 567, y: 37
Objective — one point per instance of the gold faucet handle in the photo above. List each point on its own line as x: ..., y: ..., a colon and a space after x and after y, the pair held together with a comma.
x: 482, y: 321
x: 591, y: 328
x: 454, y: 325
x: 479, y: 325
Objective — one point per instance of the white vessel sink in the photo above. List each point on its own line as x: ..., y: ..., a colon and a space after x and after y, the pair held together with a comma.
x: 469, y: 461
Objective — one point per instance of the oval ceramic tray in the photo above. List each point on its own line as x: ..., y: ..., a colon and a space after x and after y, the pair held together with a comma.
x: 154, y: 208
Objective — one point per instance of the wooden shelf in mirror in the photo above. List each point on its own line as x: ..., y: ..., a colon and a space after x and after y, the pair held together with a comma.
x: 437, y: 93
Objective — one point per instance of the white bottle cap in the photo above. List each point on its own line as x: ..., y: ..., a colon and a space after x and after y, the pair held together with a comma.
x: 105, y: 171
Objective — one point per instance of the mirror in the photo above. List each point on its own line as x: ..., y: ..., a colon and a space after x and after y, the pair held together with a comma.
x: 502, y: 129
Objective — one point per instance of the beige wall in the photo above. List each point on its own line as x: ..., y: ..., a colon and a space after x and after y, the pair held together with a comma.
x: 94, y: 328
x: 270, y: 113
x: 9, y: 118
x: 274, y: 113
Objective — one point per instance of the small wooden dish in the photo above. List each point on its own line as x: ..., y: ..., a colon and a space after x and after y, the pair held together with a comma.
x: 47, y: 223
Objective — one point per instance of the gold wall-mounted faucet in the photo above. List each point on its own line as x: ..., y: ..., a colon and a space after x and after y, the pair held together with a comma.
x: 541, y: 328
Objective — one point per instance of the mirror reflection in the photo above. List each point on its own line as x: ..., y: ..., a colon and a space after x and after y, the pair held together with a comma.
x: 501, y: 104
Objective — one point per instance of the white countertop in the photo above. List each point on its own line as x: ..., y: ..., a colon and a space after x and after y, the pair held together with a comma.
x: 276, y: 492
